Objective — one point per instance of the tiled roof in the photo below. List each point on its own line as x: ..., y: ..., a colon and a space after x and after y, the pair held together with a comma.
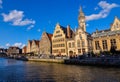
x: 107, y: 30
x: 65, y: 30
x: 13, y: 47
x: 49, y: 36
x: 37, y: 42
x: 24, y: 47
x: 30, y: 41
x: 107, y: 33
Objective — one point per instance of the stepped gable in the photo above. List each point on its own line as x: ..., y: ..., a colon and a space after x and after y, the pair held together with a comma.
x: 66, y: 32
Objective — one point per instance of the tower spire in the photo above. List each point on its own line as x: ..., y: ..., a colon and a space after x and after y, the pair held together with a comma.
x: 81, y: 12
x: 81, y: 20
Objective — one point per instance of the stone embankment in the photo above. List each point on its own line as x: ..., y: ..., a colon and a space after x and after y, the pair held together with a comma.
x: 113, y: 62
x: 46, y: 60
x: 91, y: 61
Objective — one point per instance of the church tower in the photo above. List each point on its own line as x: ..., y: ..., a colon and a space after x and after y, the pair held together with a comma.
x: 81, y: 20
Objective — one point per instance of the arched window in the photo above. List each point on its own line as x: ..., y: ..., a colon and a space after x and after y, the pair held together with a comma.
x: 83, y: 43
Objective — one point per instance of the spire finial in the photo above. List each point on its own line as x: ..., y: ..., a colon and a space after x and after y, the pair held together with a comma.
x: 81, y: 12
x: 57, y: 23
x: 80, y: 8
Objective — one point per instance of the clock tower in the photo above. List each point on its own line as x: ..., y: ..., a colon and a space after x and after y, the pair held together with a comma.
x: 81, y: 20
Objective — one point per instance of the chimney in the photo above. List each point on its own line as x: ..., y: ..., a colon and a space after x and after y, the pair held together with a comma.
x: 68, y: 31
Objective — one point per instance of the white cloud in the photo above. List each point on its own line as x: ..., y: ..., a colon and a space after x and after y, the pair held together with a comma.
x: 7, y: 45
x: 20, y: 45
x: 17, y: 18
x: 38, y: 30
x: 106, y: 8
x: 30, y: 27
x: 23, y: 45
x: 96, y: 8
x: 1, y: 3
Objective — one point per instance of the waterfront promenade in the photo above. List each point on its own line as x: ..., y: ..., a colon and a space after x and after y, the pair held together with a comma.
x: 47, y: 60
x: 112, y: 61
x: 88, y: 61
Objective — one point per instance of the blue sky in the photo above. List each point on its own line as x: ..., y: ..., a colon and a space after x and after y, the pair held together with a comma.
x: 21, y: 20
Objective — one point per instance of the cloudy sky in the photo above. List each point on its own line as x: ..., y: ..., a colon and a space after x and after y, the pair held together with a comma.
x: 21, y: 20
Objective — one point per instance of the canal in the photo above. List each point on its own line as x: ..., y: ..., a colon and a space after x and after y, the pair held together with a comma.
x: 20, y: 71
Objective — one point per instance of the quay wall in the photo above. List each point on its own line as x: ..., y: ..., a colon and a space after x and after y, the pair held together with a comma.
x: 47, y: 60
x: 94, y: 62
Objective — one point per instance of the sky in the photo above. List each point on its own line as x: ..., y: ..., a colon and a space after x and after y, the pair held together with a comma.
x: 23, y: 20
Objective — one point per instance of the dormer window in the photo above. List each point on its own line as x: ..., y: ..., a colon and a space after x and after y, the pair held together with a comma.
x: 58, y: 31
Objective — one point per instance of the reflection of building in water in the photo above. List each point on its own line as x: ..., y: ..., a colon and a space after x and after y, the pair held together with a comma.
x: 104, y: 40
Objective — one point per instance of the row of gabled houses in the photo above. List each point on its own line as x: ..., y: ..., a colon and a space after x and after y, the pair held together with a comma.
x: 12, y: 50
x: 43, y: 46
x: 65, y: 41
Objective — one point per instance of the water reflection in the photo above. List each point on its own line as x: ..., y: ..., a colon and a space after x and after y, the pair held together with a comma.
x: 12, y: 70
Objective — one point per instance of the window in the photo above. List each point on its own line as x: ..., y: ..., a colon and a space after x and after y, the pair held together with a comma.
x: 83, y: 50
x: 97, y: 46
x: 78, y: 43
x: 113, y: 43
x: 69, y: 45
x: 63, y: 50
x: 79, y: 50
x: 58, y: 31
x: 104, y: 43
x: 58, y: 35
x: 83, y: 44
x: 73, y: 44
x: 55, y: 51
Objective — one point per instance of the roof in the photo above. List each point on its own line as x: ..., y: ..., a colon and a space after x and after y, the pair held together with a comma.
x: 24, y: 47
x: 64, y: 29
x: 30, y: 41
x: 37, y: 42
x: 107, y: 30
x: 14, y: 47
x: 49, y: 36
x: 106, y: 33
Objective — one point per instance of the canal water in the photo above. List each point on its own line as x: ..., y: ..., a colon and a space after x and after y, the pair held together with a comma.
x: 20, y: 71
